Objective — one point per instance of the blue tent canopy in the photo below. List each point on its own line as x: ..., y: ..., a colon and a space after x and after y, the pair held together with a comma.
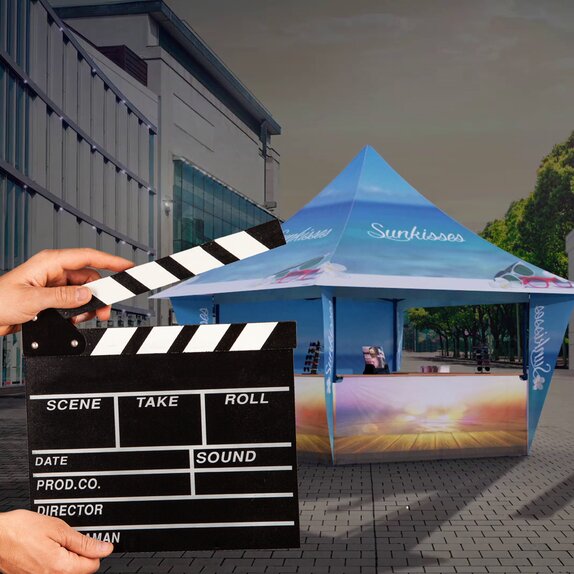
x: 370, y: 233
x: 374, y: 245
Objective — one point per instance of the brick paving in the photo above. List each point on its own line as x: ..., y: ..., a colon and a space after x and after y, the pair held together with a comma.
x: 503, y: 515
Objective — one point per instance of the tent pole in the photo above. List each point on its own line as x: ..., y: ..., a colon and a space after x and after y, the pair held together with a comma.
x: 525, y: 321
x: 395, y: 334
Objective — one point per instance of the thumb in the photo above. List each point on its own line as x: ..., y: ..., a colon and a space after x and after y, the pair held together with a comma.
x: 82, y: 545
x: 63, y: 297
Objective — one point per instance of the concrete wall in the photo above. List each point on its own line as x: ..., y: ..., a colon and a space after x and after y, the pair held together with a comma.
x: 76, y: 155
x: 92, y: 174
x: 194, y: 123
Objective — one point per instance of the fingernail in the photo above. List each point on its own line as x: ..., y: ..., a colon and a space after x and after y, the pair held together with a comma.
x: 105, y: 547
x: 82, y: 293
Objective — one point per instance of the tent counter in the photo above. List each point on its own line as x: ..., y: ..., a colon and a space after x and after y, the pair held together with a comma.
x: 403, y: 416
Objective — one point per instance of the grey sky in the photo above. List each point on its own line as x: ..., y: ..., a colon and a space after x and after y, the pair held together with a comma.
x: 462, y: 97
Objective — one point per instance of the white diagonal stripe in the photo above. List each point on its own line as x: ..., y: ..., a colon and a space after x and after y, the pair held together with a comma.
x: 159, y: 340
x: 206, y: 338
x: 253, y: 336
x: 187, y: 525
x: 241, y: 245
x: 114, y: 341
x: 196, y: 260
x: 152, y: 275
x: 109, y: 291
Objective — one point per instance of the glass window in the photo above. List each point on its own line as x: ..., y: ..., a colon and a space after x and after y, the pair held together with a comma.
x: 9, y: 226
x: 177, y: 218
x: 3, y: 223
x: 9, y: 26
x: 18, y: 225
x: 208, y: 227
x: 9, y: 145
x: 218, y: 201
x: 19, y: 127
x: 186, y: 232
x: 210, y: 185
x: 198, y: 187
x: 26, y: 134
x: 198, y: 226
x: 217, y: 227
x: 226, y: 212
x: 226, y: 228
x: 177, y: 177
x: 151, y: 217
x: 20, y: 31
x: 236, y: 201
x: 151, y: 159
x: 249, y: 219
x: 198, y: 181
x: 207, y: 209
x: 27, y: 39
x: 3, y: 77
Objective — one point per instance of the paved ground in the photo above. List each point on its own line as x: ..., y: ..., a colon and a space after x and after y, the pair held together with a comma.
x: 488, y: 515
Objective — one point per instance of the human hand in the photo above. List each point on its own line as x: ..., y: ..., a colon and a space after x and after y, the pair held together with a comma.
x: 52, y: 278
x: 31, y: 543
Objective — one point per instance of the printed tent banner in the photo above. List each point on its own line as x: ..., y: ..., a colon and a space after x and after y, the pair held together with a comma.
x: 549, y: 318
x: 369, y: 228
x: 368, y: 237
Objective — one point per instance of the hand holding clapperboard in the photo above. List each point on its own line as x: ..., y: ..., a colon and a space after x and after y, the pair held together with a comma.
x: 166, y: 438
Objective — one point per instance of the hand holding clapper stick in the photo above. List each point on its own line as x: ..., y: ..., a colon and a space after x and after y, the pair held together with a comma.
x: 39, y: 334
x: 181, y: 266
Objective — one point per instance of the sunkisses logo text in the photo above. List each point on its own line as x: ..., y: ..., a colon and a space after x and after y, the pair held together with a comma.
x: 203, y: 316
x: 540, y: 366
x: 330, y: 349
x: 306, y: 234
x: 378, y: 231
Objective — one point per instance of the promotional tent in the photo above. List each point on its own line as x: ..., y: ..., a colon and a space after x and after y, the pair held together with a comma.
x: 359, y: 254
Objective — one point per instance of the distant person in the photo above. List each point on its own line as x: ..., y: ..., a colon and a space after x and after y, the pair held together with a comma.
x: 31, y: 543
x: 375, y: 361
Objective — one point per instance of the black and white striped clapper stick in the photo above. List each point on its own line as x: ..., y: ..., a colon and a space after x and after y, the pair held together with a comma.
x: 191, y: 339
x: 181, y: 266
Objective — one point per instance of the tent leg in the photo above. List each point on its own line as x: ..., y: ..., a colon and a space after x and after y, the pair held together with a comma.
x: 525, y: 321
x: 395, y: 334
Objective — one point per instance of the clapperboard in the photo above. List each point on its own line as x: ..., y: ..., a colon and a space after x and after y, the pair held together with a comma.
x: 166, y: 438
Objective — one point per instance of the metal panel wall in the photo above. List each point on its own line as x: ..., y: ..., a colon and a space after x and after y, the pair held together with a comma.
x: 76, y: 158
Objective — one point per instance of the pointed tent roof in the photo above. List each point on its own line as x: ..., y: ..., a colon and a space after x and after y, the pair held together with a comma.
x: 369, y: 228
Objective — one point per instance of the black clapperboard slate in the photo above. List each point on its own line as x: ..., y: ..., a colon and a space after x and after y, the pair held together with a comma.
x: 166, y: 438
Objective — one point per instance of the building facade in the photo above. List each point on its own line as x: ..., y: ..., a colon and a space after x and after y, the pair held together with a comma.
x: 205, y: 208
x: 217, y: 171
x: 121, y: 130
x: 77, y: 158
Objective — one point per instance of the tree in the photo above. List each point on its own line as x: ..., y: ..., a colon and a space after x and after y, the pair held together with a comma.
x: 507, y: 233
x: 535, y: 228
x: 549, y: 212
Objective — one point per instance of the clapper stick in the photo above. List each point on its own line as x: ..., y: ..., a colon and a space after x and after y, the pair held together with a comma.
x: 180, y: 266
x: 38, y: 335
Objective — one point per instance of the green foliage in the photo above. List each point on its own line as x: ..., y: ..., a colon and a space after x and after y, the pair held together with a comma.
x: 535, y: 228
x: 507, y: 233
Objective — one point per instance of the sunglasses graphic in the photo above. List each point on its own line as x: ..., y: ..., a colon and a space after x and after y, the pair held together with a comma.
x: 299, y: 272
x: 545, y: 282
x: 520, y: 274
